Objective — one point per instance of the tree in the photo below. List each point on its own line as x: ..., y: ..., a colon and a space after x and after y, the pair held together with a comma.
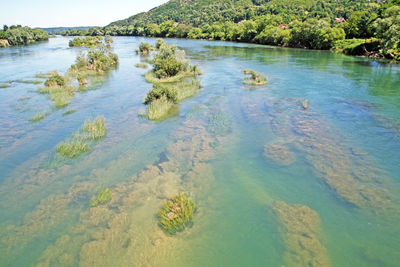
x: 359, y: 24
x: 388, y: 28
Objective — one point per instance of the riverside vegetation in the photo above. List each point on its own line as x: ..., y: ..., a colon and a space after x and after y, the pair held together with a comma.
x: 18, y: 35
x: 168, y: 76
x: 253, y: 78
x: 313, y: 24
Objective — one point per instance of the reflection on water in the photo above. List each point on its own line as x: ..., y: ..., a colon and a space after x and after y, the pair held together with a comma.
x: 275, y: 183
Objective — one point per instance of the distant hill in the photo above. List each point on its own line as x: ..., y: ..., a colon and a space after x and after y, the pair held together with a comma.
x: 200, y: 12
x: 58, y: 30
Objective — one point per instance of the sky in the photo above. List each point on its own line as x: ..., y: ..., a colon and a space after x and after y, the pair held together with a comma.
x: 61, y: 13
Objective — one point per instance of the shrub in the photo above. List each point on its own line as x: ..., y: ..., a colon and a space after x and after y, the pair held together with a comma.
x: 253, y: 78
x: 176, y: 214
x: 87, y: 41
x: 159, y: 91
x: 101, y: 198
x: 144, y: 48
x: 169, y: 61
x: 55, y: 80
x: 159, y: 43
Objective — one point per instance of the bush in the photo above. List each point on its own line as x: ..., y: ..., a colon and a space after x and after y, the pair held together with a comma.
x: 144, y: 48
x: 55, y: 80
x: 159, y: 43
x: 253, y: 78
x: 101, y: 198
x: 169, y: 61
x: 159, y: 91
x: 176, y: 214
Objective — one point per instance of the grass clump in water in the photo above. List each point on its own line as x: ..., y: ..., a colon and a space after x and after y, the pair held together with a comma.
x: 74, y: 148
x: 95, y: 129
x: 101, y: 198
x: 176, y: 214
x: 82, y: 141
x: 38, y: 117
x: 159, y: 109
x: 5, y: 85
x: 253, y: 78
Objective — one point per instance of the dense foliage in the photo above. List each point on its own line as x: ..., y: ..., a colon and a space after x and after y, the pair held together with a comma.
x: 87, y: 41
x: 18, y: 35
x: 315, y: 24
x: 169, y: 61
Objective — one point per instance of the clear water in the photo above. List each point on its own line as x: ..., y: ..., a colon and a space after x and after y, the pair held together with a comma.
x: 346, y: 150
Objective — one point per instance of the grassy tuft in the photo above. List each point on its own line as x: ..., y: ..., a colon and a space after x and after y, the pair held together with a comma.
x: 159, y: 109
x: 253, y: 78
x: 95, y: 129
x: 38, y: 117
x: 101, y: 198
x: 74, y: 148
x: 55, y: 80
x: 176, y: 214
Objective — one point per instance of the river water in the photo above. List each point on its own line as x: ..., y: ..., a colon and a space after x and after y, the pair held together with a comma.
x: 275, y: 184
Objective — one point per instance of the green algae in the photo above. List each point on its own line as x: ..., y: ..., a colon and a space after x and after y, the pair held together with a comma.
x: 219, y: 124
x: 39, y: 116
x: 101, y: 198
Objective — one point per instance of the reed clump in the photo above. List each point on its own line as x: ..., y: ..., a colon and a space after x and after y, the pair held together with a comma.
x: 83, y: 140
x: 253, y: 78
x: 159, y: 109
x: 176, y: 214
x: 55, y: 80
x: 5, y: 85
x: 102, y: 197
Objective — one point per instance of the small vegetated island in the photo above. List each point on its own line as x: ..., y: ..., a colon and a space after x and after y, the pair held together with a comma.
x: 172, y: 77
x: 253, y: 78
x: 18, y: 35
x: 90, y: 68
x: 90, y: 41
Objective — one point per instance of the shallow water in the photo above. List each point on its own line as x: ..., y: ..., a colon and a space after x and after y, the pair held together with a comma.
x: 336, y: 193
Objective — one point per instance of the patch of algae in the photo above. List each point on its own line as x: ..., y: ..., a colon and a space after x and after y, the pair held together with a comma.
x: 354, y: 178
x: 301, y: 230
x: 125, y: 232
x: 280, y: 154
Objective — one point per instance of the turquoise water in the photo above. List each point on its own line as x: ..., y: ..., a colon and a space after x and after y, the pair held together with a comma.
x: 338, y: 162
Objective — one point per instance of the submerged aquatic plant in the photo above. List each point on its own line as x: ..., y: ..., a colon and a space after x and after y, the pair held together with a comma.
x: 253, y: 78
x: 70, y: 111
x: 101, y: 198
x: 142, y: 65
x: 219, y: 124
x: 177, y: 213
x: 95, y: 129
x: 28, y: 81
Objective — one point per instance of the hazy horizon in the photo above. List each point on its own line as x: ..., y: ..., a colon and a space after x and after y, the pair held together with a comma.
x: 47, y: 14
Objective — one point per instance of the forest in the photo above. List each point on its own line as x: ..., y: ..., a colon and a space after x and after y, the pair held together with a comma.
x: 370, y: 28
